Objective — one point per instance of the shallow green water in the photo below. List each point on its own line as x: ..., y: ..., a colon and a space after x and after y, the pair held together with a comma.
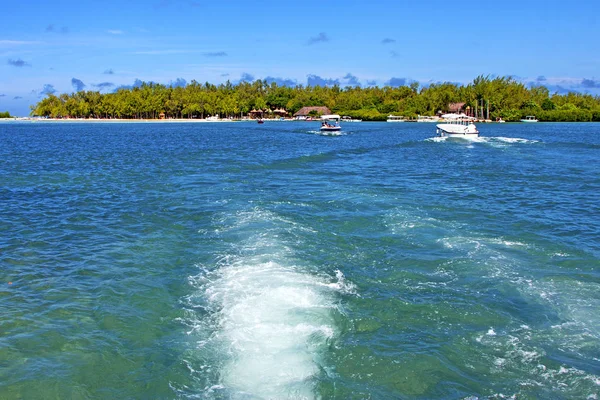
x: 266, y: 261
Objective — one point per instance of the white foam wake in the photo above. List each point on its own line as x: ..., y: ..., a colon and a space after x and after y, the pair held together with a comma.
x: 492, y: 140
x: 272, y: 321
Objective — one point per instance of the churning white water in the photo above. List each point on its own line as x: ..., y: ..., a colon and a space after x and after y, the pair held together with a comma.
x: 272, y: 319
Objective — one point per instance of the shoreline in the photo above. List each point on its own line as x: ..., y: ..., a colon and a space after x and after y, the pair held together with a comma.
x: 195, y: 120
x: 116, y: 120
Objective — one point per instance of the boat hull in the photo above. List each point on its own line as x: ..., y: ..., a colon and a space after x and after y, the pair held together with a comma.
x: 331, y: 129
x: 457, y: 131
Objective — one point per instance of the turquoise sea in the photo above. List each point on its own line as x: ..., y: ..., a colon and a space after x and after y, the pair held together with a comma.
x: 246, y: 261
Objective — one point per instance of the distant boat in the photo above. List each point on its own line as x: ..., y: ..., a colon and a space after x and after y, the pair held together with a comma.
x: 395, y: 118
x: 330, y: 127
x: 529, y: 118
x: 426, y: 118
x: 500, y: 120
x: 330, y: 123
x: 457, y: 126
x: 346, y: 118
x: 260, y: 121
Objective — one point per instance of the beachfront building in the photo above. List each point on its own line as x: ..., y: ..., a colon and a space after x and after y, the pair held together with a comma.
x: 280, y: 112
x: 304, y: 112
x: 256, y: 114
x: 456, y: 108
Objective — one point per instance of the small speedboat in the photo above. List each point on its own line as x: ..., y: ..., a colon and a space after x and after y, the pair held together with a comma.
x: 529, y: 118
x: 260, y: 121
x: 330, y: 127
x: 457, y: 126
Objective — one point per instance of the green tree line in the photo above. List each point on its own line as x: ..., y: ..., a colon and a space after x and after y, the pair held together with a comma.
x: 504, y: 97
x: 5, y: 114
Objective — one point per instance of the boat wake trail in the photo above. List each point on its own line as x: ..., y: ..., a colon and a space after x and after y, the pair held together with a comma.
x: 492, y: 140
x: 326, y: 133
x: 268, y: 322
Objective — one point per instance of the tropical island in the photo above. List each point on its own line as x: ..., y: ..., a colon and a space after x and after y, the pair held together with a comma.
x: 496, y: 98
x: 5, y: 114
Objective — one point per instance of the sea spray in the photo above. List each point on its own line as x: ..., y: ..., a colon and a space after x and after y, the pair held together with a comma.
x: 271, y: 321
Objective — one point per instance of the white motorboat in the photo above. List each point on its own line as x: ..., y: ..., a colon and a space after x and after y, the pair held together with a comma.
x: 529, y: 118
x: 330, y: 117
x: 395, y: 118
x: 330, y: 127
x: 426, y: 118
x: 457, y: 126
x: 330, y: 123
x: 345, y: 118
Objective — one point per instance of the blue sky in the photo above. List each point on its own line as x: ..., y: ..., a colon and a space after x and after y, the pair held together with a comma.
x: 62, y: 45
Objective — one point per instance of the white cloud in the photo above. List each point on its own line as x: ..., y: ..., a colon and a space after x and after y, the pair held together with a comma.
x: 17, y: 42
x: 161, y: 52
x: 115, y: 31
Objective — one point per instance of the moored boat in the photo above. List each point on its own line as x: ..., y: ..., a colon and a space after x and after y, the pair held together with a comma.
x: 529, y: 118
x: 395, y: 118
x: 427, y: 118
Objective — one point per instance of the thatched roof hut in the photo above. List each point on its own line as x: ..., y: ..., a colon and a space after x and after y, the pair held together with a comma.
x: 456, y: 107
x: 304, y: 111
x: 256, y: 113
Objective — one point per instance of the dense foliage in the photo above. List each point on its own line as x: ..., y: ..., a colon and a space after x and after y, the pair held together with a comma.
x: 5, y: 114
x: 503, y: 96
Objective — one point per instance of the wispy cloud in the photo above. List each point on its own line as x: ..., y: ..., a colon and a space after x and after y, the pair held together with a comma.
x: 388, y: 41
x: 161, y: 52
x: 224, y: 75
x: 48, y: 89
x: 590, y: 83
x: 179, y: 82
x: 109, y: 72
x: 103, y: 85
x: 281, y: 81
x: 17, y: 42
x: 560, y: 89
x: 246, y: 77
x: 393, y: 54
x: 136, y: 83
x: 321, y: 37
x: 53, y: 29
x: 18, y: 63
x: 17, y: 98
x: 315, y: 80
x: 562, y: 85
x: 77, y: 84
x: 396, y: 82
x: 115, y: 31
x: 372, y: 83
x: 2, y: 95
x: 215, y: 54
x: 351, y: 80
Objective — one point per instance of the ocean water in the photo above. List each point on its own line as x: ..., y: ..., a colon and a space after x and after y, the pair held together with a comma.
x: 246, y: 261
